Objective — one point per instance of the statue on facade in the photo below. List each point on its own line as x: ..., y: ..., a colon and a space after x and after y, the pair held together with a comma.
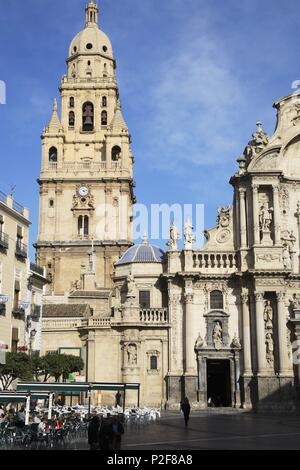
x: 189, y: 237
x: 131, y: 355
x: 259, y: 141
x: 76, y: 285
x: 268, y: 315
x: 269, y: 348
x: 223, y: 217
x: 236, y: 344
x: 217, y: 335
x: 199, y: 343
x: 130, y: 286
x: 174, y: 237
x: 296, y: 302
x: 265, y: 217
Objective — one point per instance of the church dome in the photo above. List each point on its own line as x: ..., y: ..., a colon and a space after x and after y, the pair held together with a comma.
x: 91, y: 41
x: 142, y: 253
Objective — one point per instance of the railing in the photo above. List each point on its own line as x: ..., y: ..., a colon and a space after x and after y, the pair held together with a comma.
x: 99, y: 322
x: 17, y: 207
x: 84, y: 166
x: 36, y: 269
x: 35, y: 311
x: 4, y: 239
x: 215, y: 261
x: 62, y: 324
x: 21, y: 250
x: 3, y: 197
x: 154, y: 315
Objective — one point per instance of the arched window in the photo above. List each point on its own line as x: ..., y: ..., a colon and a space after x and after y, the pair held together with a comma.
x: 83, y: 225
x: 72, y: 102
x: 216, y: 300
x: 116, y: 153
x: 53, y: 155
x: 88, y: 117
x: 104, y: 101
x: 153, y: 362
x: 71, y: 119
x: 104, y: 118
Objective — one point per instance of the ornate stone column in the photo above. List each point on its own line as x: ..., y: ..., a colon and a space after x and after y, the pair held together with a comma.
x: 276, y: 215
x: 190, y: 357
x: 255, y: 214
x: 246, y: 335
x: 243, y: 223
x: 284, y: 361
x: 297, y: 214
x: 260, y: 333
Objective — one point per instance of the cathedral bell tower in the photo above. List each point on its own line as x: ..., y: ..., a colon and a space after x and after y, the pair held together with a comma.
x: 86, y: 180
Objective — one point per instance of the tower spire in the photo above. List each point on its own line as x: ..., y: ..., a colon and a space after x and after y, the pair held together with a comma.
x: 91, y: 14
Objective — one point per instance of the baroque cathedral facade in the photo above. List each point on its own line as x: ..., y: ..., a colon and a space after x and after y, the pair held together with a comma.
x: 217, y: 324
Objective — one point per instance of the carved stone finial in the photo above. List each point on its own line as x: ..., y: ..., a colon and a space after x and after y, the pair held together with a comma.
x: 55, y: 107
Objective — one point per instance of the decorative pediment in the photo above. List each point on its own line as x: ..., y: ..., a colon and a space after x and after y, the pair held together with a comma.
x: 266, y: 161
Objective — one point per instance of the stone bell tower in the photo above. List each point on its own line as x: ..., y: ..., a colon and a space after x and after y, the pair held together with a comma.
x: 86, y: 181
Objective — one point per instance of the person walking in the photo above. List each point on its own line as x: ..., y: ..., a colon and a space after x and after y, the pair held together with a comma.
x: 93, y: 430
x: 117, y: 431
x: 186, y: 409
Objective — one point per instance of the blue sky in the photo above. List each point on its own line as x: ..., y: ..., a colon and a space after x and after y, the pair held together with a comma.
x: 194, y: 78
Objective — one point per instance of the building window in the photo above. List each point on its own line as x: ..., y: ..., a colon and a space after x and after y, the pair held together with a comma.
x: 14, y: 339
x: 88, y: 117
x: 53, y: 155
x: 72, y: 102
x: 104, y: 101
x: 83, y: 225
x: 71, y: 119
x: 1, y: 223
x: 116, y: 153
x: 144, y: 298
x: 17, y: 295
x: 51, y: 203
x: 104, y: 118
x: 153, y: 363
x: 216, y: 300
x: 19, y: 236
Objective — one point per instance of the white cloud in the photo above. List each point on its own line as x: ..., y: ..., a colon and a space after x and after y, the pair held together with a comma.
x: 197, y: 103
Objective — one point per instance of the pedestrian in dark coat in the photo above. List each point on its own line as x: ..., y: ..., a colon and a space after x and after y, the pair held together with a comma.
x: 106, y: 434
x: 93, y: 431
x: 186, y: 409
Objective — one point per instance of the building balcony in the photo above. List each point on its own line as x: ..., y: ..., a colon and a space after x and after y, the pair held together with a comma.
x: 35, y: 312
x: 154, y: 315
x: 215, y: 262
x: 18, y: 312
x: 4, y: 241
x: 2, y: 310
x: 21, y: 250
x: 36, y: 269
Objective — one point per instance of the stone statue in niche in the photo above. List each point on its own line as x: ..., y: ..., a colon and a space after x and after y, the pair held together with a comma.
x: 268, y: 319
x: 265, y: 217
x: 223, y: 217
x: 76, y: 285
x: 268, y: 315
x: 131, y: 355
x: 189, y: 237
x: 269, y: 348
x: 217, y: 335
x: 174, y: 237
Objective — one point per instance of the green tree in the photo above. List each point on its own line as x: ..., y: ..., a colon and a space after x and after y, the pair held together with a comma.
x: 55, y: 365
x: 18, y: 366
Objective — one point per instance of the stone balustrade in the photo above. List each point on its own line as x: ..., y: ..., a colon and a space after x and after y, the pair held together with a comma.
x: 215, y: 262
x: 154, y: 315
x: 70, y: 324
x: 90, y: 167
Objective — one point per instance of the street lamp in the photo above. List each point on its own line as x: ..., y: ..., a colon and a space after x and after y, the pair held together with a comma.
x: 31, y: 339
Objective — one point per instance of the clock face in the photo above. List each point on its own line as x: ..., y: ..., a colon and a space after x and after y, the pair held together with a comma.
x: 83, y: 191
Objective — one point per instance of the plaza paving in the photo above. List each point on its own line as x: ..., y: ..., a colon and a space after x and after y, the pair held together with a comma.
x: 211, y: 430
